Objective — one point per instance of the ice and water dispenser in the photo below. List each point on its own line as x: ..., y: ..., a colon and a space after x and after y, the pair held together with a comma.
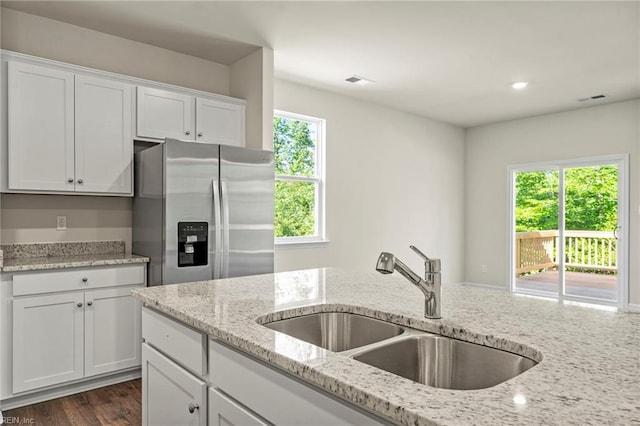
x: 192, y: 243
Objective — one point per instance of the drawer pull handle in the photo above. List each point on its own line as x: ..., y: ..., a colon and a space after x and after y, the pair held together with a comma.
x: 193, y: 407
x: 79, y: 304
x: 187, y: 132
x: 199, y: 134
x: 89, y: 303
x: 85, y: 279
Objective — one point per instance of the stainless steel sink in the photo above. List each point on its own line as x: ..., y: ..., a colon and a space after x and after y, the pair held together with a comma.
x: 445, y: 363
x: 336, y: 331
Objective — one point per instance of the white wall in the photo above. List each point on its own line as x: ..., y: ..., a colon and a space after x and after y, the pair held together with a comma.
x: 393, y: 179
x: 490, y: 149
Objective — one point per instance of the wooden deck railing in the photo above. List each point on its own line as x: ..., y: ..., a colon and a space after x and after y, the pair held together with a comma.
x: 587, y: 250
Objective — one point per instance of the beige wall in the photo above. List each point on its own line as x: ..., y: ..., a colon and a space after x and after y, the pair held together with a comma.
x: 393, y: 179
x: 47, y: 38
x: 32, y: 218
x: 588, y: 132
x: 252, y: 79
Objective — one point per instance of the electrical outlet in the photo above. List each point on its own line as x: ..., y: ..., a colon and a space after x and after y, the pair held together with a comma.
x: 61, y: 223
x: 483, y: 268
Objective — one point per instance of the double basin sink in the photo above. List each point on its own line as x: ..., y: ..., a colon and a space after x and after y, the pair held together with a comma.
x: 423, y: 357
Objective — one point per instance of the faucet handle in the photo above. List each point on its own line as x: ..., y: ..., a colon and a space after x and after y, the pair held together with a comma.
x: 430, y: 265
x: 419, y: 253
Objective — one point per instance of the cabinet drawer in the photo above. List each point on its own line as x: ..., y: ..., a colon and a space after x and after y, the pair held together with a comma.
x: 76, y: 279
x: 266, y: 391
x: 176, y: 340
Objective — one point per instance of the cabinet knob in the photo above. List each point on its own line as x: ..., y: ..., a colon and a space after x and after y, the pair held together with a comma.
x: 70, y: 180
x: 188, y: 132
x: 90, y: 303
x: 85, y: 279
x: 80, y: 180
x: 79, y: 304
x: 199, y: 134
x: 193, y: 407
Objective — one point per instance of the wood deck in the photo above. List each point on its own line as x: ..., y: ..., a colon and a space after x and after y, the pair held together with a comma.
x: 582, y: 284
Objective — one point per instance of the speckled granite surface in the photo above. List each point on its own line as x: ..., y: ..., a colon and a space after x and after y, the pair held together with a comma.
x: 590, y: 358
x: 38, y: 256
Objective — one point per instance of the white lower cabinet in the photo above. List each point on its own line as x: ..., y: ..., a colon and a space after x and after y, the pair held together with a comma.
x: 242, y: 390
x: 170, y: 394
x: 224, y: 411
x: 62, y: 336
x: 48, y: 333
x: 112, y: 331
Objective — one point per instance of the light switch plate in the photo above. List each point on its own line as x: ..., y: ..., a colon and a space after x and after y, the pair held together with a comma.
x: 61, y: 223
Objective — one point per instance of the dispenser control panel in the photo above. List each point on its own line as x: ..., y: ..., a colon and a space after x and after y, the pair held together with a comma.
x: 193, y: 244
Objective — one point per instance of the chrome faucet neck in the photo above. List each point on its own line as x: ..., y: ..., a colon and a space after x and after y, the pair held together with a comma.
x: 430, y: 285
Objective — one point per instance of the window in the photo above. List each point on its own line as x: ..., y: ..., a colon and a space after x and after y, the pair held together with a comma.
x: 299, y: 193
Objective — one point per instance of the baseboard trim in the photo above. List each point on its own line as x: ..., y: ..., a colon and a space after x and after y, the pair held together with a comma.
x: 486, y: 286
x: 70, y: 389
x: 633, y: 308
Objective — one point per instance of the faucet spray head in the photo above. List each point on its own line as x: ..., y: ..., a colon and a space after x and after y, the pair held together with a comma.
x: 386, y: 263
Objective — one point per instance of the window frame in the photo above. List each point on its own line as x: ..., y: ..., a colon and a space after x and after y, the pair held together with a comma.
x: 318, y: 180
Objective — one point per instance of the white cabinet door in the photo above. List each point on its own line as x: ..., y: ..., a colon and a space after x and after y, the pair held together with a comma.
x: 112, y: 331
x: 103, y: 138
x: 40, y: 128
x: 163, y: 114
x: 47, y: 340
x: 170, y: 394
x: 224, y: 411
x: 219, y: 122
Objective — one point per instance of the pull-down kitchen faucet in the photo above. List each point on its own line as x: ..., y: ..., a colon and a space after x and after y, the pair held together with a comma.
x: 430, y: 285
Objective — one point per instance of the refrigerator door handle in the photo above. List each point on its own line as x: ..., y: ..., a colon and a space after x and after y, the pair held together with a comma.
x: 225, y: 229
x: 217, y: 261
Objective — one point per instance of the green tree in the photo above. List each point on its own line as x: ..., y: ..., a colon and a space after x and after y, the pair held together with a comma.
x: 591, y: 199
x: 536, y: 201
x: 294, y: 152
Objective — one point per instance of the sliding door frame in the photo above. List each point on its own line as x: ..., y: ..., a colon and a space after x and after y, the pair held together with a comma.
x: 622, y: 161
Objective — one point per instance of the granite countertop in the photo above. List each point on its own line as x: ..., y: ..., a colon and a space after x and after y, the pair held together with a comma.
x: 71, y: 261
x: 589, y: 370
x: 74, y: 254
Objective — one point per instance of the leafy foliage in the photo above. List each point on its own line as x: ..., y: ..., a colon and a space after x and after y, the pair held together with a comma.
x: 591, y: 197
x: 293, y: 147
x: 294, y: 151
x: 294, y: 209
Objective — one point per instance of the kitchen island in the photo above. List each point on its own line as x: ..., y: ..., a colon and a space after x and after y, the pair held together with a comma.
x: 589, y: 358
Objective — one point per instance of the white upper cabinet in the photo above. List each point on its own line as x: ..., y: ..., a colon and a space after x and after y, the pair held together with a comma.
x: 40, y: 128
x: 68, y: 132
x: 104, y: 136
x: 165, y: 114
x: 219, y: 122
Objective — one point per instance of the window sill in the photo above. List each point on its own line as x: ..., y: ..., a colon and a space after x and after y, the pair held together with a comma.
x: 301, y: 244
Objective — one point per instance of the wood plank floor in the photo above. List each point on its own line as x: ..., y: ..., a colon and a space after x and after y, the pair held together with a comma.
x: 112, y: 405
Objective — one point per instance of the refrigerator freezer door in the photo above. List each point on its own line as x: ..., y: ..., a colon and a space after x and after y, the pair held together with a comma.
x: 190, y: 197
x: 247, y: 182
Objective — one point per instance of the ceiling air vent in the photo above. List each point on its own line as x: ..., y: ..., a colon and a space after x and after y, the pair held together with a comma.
x: 592, y: 98
x: 358, y: 80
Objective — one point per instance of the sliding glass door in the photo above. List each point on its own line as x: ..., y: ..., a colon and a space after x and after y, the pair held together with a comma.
x: 567, y: 235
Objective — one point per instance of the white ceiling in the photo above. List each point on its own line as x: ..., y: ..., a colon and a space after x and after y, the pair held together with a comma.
x: 452, y: 61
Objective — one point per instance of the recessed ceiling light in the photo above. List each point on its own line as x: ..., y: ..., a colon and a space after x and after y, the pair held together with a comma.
x: 359, y: 80
x: 519, y: 85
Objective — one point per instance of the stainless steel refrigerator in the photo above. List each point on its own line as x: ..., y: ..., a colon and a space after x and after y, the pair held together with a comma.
x: 203, y: 211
